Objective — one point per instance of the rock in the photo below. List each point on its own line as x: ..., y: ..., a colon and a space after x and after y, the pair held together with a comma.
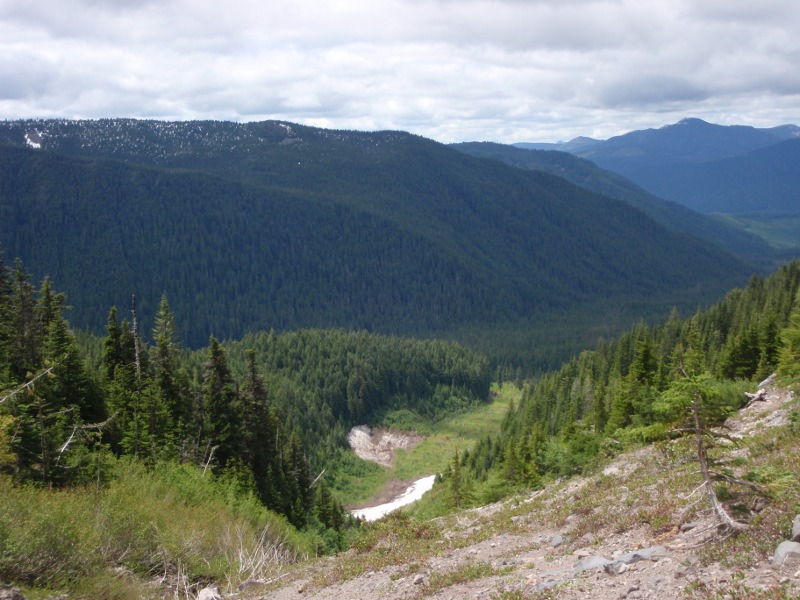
x: 11, y: 594
x: 653, y: 553
x: 786, y: 552
x: 615, y: 568
x: 796, y: 529
x: 556, y: 541
x: 595, y: 562
x: 759, y: 505
x: 209, y: 593
x: 682, y: 571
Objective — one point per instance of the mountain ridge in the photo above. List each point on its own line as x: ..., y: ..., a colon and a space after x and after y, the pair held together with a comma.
x: 276, y: 225
x: 581, y: 171
x: 705, y: 166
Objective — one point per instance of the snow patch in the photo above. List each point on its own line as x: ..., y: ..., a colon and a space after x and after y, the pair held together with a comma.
x: 413, y: 493
x: 33, y: 139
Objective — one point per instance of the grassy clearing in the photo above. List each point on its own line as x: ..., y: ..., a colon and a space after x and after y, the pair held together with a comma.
x: 359, y: 481
x: 458, y: 432
x: 781, y: 231
x: 142, y: 532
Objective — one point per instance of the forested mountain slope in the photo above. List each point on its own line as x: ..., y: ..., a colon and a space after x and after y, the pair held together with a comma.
x: 633, y: 389
x: 274, y: 225
x: 672, y: 215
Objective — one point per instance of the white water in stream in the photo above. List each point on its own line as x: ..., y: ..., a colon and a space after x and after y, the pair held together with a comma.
x: 413, y: 493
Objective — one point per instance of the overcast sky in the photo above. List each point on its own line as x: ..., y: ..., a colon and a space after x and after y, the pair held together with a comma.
x: 450, y: 70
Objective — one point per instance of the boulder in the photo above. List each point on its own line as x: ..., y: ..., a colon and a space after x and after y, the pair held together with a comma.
x: 796, y: 529
x: 11, y: 594
x: 594, y: 562
x: 209, y: 593
x: 786, y: 552
x: 653, y: 553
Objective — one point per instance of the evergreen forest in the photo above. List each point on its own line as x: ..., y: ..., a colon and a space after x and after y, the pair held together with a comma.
x: 266, y: 417
x: 273, y: 225
x: 271, y: 412
x: 634, y: 389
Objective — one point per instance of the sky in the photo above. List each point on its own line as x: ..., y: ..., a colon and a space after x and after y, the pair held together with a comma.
x: 450, y: 70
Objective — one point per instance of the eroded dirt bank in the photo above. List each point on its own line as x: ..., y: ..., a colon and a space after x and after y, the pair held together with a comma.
x: 380, y: 445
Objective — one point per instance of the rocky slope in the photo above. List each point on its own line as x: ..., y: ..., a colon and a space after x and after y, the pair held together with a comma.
x: 637, y: 528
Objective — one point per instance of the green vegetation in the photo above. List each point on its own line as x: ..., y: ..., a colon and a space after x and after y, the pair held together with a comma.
x: 357, y: 481
x: 638, y: 388
x: 128, y: 457
x: 780, y: 230
x: 458, y: 433
x: 172, y: 521
x: 263, y: 226
x: 267, y: 417
x: 731, y: 234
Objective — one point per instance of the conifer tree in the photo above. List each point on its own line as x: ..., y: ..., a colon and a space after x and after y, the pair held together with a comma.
x: 456, y: 481
x: 301, y: 495
x: 222, y: 411
x: 6, y: 328
x: 112, y: 346
x: 24, y: 354
x: 170, y: 397
x: 259, y: 432
x: 69, y: 384
x: 789, y: 356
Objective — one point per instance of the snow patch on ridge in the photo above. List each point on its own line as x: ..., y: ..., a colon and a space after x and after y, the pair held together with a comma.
x: 33, y: 139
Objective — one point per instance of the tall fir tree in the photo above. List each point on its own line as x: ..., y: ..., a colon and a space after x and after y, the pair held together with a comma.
x: 222, y: 409
x: 789, y: 355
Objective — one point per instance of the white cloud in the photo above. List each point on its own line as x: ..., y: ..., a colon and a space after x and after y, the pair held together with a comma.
x: 505, y: 70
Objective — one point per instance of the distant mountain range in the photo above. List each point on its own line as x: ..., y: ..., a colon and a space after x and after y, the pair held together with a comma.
x: 276, y: 225
x: 706, y: 167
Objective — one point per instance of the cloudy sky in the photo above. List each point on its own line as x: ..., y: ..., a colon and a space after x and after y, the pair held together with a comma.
x: 451, y: 70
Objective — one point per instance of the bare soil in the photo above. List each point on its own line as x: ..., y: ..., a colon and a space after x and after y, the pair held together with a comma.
x: 380, y: 445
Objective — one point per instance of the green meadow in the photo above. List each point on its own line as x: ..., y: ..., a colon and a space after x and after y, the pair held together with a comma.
x: 434, y: 453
